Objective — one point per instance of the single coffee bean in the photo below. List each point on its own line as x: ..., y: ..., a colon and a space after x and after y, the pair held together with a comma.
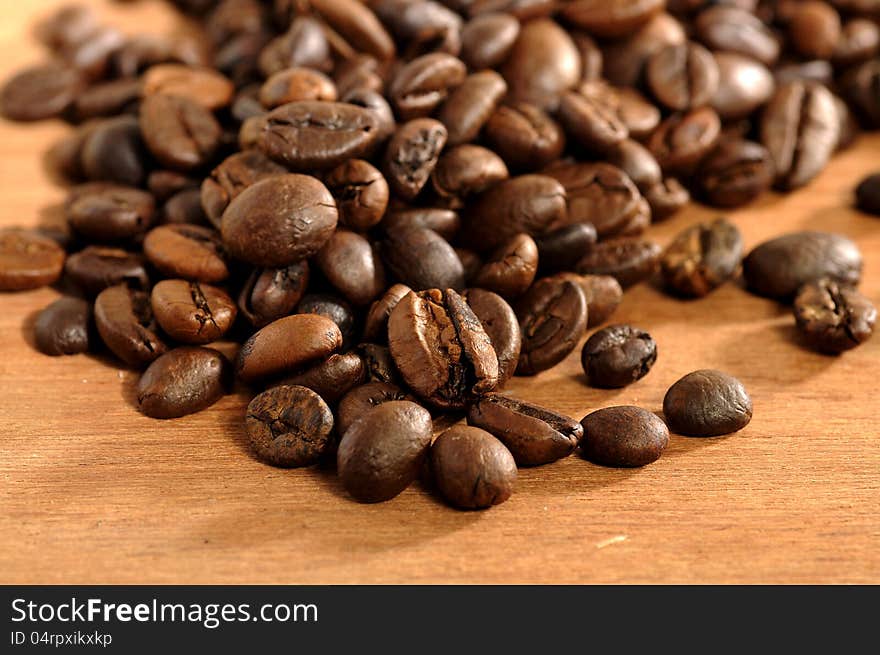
x: 107, y: 98
x: 331, y: 378
x: 629, y: 261
x: 358, y: 74
x: 363, y: 398
x: 833, y: 318
x: 361, y: 193
x: 376, y: 322
x: 441, y: 349
x: 682, y: 140
x: 286, y: 345
x: 28, y: 260
x: 351, y: 264
x: 603, y: 294
x: 562, y: 248
x: 624, y: 59
x: 165, y: 184
x: 422, y: 259
x: 412, y: 154
x: 707, y: 403
x: 295, y: 84
x: 735, y: 173
x: 471, y: 468
x: 191, y: 312
x: 379, y: 365
x: 200, y: 85
x: 470, y: 105
x: 501, y: 324
x: 279, y: 221
x: 732, y: 29
x: 375, y: 103
x: 552, y: 318
x: 40, y: 92
x: 814, y: 29
x: 859, y: 41
x: 444, y: 222
x: 382, y: 452
x: 113, y: 150
x: 62, y: 328
x: 510, y: 270
x: 421, y: 85
x: 357, y: 24
x: 524, y: 136
x: 618, y: 355
x: 631, y: 108
x: 623, y: 436
x: 614, y: 19
x: 591, y: 121
x: 744, y: 85
x: 125, y: 321
x: 702, y: 258
x: 667, y: 198
x: 466, y: 170
x: 184, y: 207
x: 273, y: 293
x: 423, y: 26
x: 868, y: 194
x: 637, y: 162
x: 304, y: 44
x: 179, y: 132
x: 190, y: 252
x: 183, y: 381
x: 95, y: 268
x: 534, y: 435
x: 683, y: 77
x: 109, y: 212
x: 335, y: 308
x: 289, y: 426
x: 779, y: 267
x: 235, y: 174
x: 487, y: 39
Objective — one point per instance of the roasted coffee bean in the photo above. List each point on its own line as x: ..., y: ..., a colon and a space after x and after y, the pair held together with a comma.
x: 304, y: 44
x: 363, y: 398
x: 192, y: 313
x: 384, y: 450
x: 591, y: 56
x: 702, y: 258
x: 376, y: 321
x: 295, y: 84
x: 190, y: 252
x: 28, y: 260
x: 868, y: 194
x: 618, y: 355
x: 629, y: 261
x: 273, y: 293
x: 110, y: 212
x: 358, y: 74
x: 235, y: 174
x: 422, y: 259
x: 623, y: 436
x: 611, y: 20
x: 779, y: 267
x: 311, y: 134
x: 637, y: 162
x: 379, y: 365
x: 860, y: 88
x: 279, y: 221
x: 357, y: 24
x: 375, y: 103
x: 470, y: 105
x: 732, y: 29
x: 814, y: 29
x: 40, y: 92
x: 286, y: 345
x: 423, y: 25
x: 441, y: 349
x: 361, y: 193
x: 532, y: 204
x: 552, y: 318
x: 183, y: 381
x: 562, y: 248
x: 444, y: 222
x: 113, y: 151
x: 466, y: 170
x: 412, y: 154
x: 510, y: 270
x: 534, y: 435
x: 682, y: 77
x: 637, y: 115
x: 800, y: 129
x: 859, y: 41
x: 735, y: 173
x: 624, y: 59
x: 420, y: 86
x: 832, y: 317
x: 289, y: 426
x: 331, y: 378
x: 95, y: 268
x: 707, y: 403
x: 524, y: 136
x: 179, y: 132
x: 334, y: 308
x: 184, y: 207
x: 200, y: 85
x: 666, y: 198
x: 744, y: 85
x: 164, y: 184
x: 603, y: 294
x: 501, y: 324
x: 849, y: 125
x: 638, y: 222
x: 125, y: 321
x: 351, y: 264
x: 682, y: 140
x: 63, y: 327
x: 471, y: 468
x: 590, y: 121
x: 487, y: 39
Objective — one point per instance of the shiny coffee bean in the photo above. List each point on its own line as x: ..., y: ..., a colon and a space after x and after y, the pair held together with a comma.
x: 359, y: 74
x: 510, y: 270
x: 295, y: 84
x: 95, y: 268
x: 352, y: 265
x: 466, y: 170
x: 422, y: 259
x: 469, y: 106
x: 471, y: 468
x: 623, y: 436
x: 702, y: 258
x: 109, y: 212
x: 125, y: 321
x: 357, y: 24
x: 179, y: 132
x: 358, y: 401
x: 524, y: 136
x: 562, y: 248
x: 618, y: 355
x: 603, y: 294
x: 735, y: 173
x: 859, y: 41
x: 184, y: 207
x: 113, y: 150
x: 683, y: 77
x: 667, y: 198
x: 732, y: 29
x: 63, y: 327
x: 412, y: 154
x: 183, y: 381
x: 591, y: 121
x: 375, y: 103
x: 629, y: 261
x: 707, y: 403
x: 303, y: 44
x: 165, y: 184
x: 868, y: 194
x: 190, y: 252
x: 444, y: 222
x: 611, y: 19
x: 379, y: 365
x: 376, y: 321
x: 273, y: 293
x: 832, y: 317
x: 28, y: 260
x: 487, y: 39
x: 192, y: 313
x: 744, y: 85
x: 424, y: 26
x: 624, y: 59
x: 421, y: 85
x: 682, y: 140
x: 40, y: 92
x: 107, y: 98
x: 637, y: 162
x: 200, y: 85
x: 331, y: 378
x: 501, y: 324
x: 336, y: 309
x: 361, y: 193
x: 235, y: 174
x: 814, y: 29
x: 552, y: 318
x: 631, y: 108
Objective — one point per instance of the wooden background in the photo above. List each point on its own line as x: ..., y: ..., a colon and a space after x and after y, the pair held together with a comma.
x: 93, y: 492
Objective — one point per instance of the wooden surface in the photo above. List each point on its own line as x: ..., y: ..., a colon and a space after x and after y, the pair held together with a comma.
x: 93, y: 492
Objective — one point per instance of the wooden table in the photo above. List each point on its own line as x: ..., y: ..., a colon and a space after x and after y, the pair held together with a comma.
x: 93, y: 492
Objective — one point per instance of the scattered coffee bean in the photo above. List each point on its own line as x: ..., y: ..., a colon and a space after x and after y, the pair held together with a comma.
x: 125, y: 321
x: 365, y: 397
x: 179, y: 132
x: 201, y: 85
x: 361, y: 193
x: 109, y: 212
x: 618, y: 355
x: 376, y: 321
x: 28, y: 260
x: 524, y: 136
x: 421, y: 259
x: 63, y: 327
x: 273, y: 293
x: 95, y: 268
x: 412, y: 154
x: 707, y: 403
x: 191, y: 312
x: 40, y: 92
x: 235, y: 174
x: 190, y: 252
x: 623, y: 436
x: 702, y: 258
x: 735, y: 173
x: 336, y: 309
x: 683, y: 77
x: 832, y: 317
x: 466, y: 170
x: 352, y: 265
x: 331, y: 378
x: 511, y: 269
x: 183, y: 381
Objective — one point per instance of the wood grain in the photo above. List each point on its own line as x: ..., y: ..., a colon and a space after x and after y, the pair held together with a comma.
x: 93, y: 492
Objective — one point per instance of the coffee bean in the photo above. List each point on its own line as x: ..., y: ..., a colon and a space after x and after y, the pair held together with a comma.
x: 832, y: 317
x: 466, y: 170
x: 113, y: 150
x: 779, y: 267
x: 200, y: 85
x: 632, y: 110
x: 192, y: 313
x: 184, y: 208
x: 471, y: 468
x: 272, y: 293
x: 357, y: 24
x: 351, y: 264
x: 637, y: 162
x: 552, y: 318
x: 814, y: 29
x: 533, y: 434
x: 682, y: 140
x: 859, y: 41
x: 286, y: 345
x: 66, y: 25
x: 304, y: 44
x: 28, y: 260
x: 412, y: 154
x: 561, y: 249
x: 441, y: 349
x: 125, y: 321
x: 376, y: 321
x: 107, y: 98
x: 235, y: 174
x: 180, y: 133
x: 487, y: 39
x: 424, y: 26
x: 868, y: 194
x: 357, y: 402
x: 40, y: 92
x: 190, y: 252
x: 361, y: 193
x: 603, y: 294
x: 361, y: 73
x: 625, y: 58
x: 744, y: 85
x: 420, y: 86
x: 289, y: 426
x: 183, y: 381
x: 379, y: 365
x: 331, y: 378
x: 524, y: 136
x: 666, y: 198
x: 732, y: 29
x: 279, y: 221
x: 422, y: 259
x: 702, y: 258
x: 62, y: 328
x: 510, y: 270
x: 375, y: 103
x: 683, y: 77
x: 860, y: 88
x: 707, y: 403
x: 470, y: 105
x: 611, y: 20
x: 444, y: 222
x: 735, y: 173
x: 165, y: 184
x: 336, y: 309
x: 623, y: 436
x: 95, y: 268
x: 629, y: 261
x: 618, y: 355
x: 295, y: 84
x: 590, y: 121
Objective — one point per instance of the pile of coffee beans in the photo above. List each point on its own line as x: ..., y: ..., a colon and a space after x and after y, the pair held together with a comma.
x: 394, y: 206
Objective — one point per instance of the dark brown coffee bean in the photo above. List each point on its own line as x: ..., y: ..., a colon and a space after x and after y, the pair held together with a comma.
x: 180, y: 133
x: 591, y: 56
x: 273, y: 293
x: 304, y: 44
x: 868, y: 194
x: 190, y: 252
x: 289, y: 426
x: 638, y: 222
x: 735, y: 173
x: 40, y: 92
x: 336, y: 309
x: 62, y: 328
x: 125, y: 321
x: 618, y: 355
x: 422, y: 259
x: 110, y: 212
x: 487, y: 39
x: 376, y: 322
x: 611, y: 20
x: 682, y: 140
x: 358, y: 74
x: 779, y: 267
x: 552, y: 319
x: 744, y: 85
x: 375, y: 103
x: 849, y: 125
x: 562, y: 248
x: 702, y: 258
x: 623, y: 436
x: 524, y: 136
x: 357, y: 24
x: 107, y: 98
x: 637, y: 162
x: 420, y: 86
x: 859, y: 41
x: 471, y: 468
x: 470, y: 105
x: 235, y: 174
x: 667, y: 198
x: 382, y: 453
x: 860, y: 89
x: 466, y: 170
x: 412, y: 154
x: 732, y: 29
x: 379, y: 365
x: 423, y: 25
x: 28, y: 260
x: 590, y: 121
x: 203, y: 86
x: 361, y: 399
x: 95, y: 268
x: 164, y: 184
x: 534, y: 435
x: 707, y: 403
x: 192, y: 313
x: 286, y: 345
x: 629, y: 261
x: 683, y: 77
x: 441, y: 349
x: 633, y: 110
x: 603, y: 294
x: 184, y: 207
x: 361, y: 193
x: 295, y: 84
x: 113, y: 151
x: 351, y: 264
x: 183, y: 381
x: 814, y: 29
x: 501, y: 324
x: 331, y: 378
x: 510, y: 270
x: 624, y: 59
x: 279, y: 221
x: 833, y: 318
x: 444, y: 222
